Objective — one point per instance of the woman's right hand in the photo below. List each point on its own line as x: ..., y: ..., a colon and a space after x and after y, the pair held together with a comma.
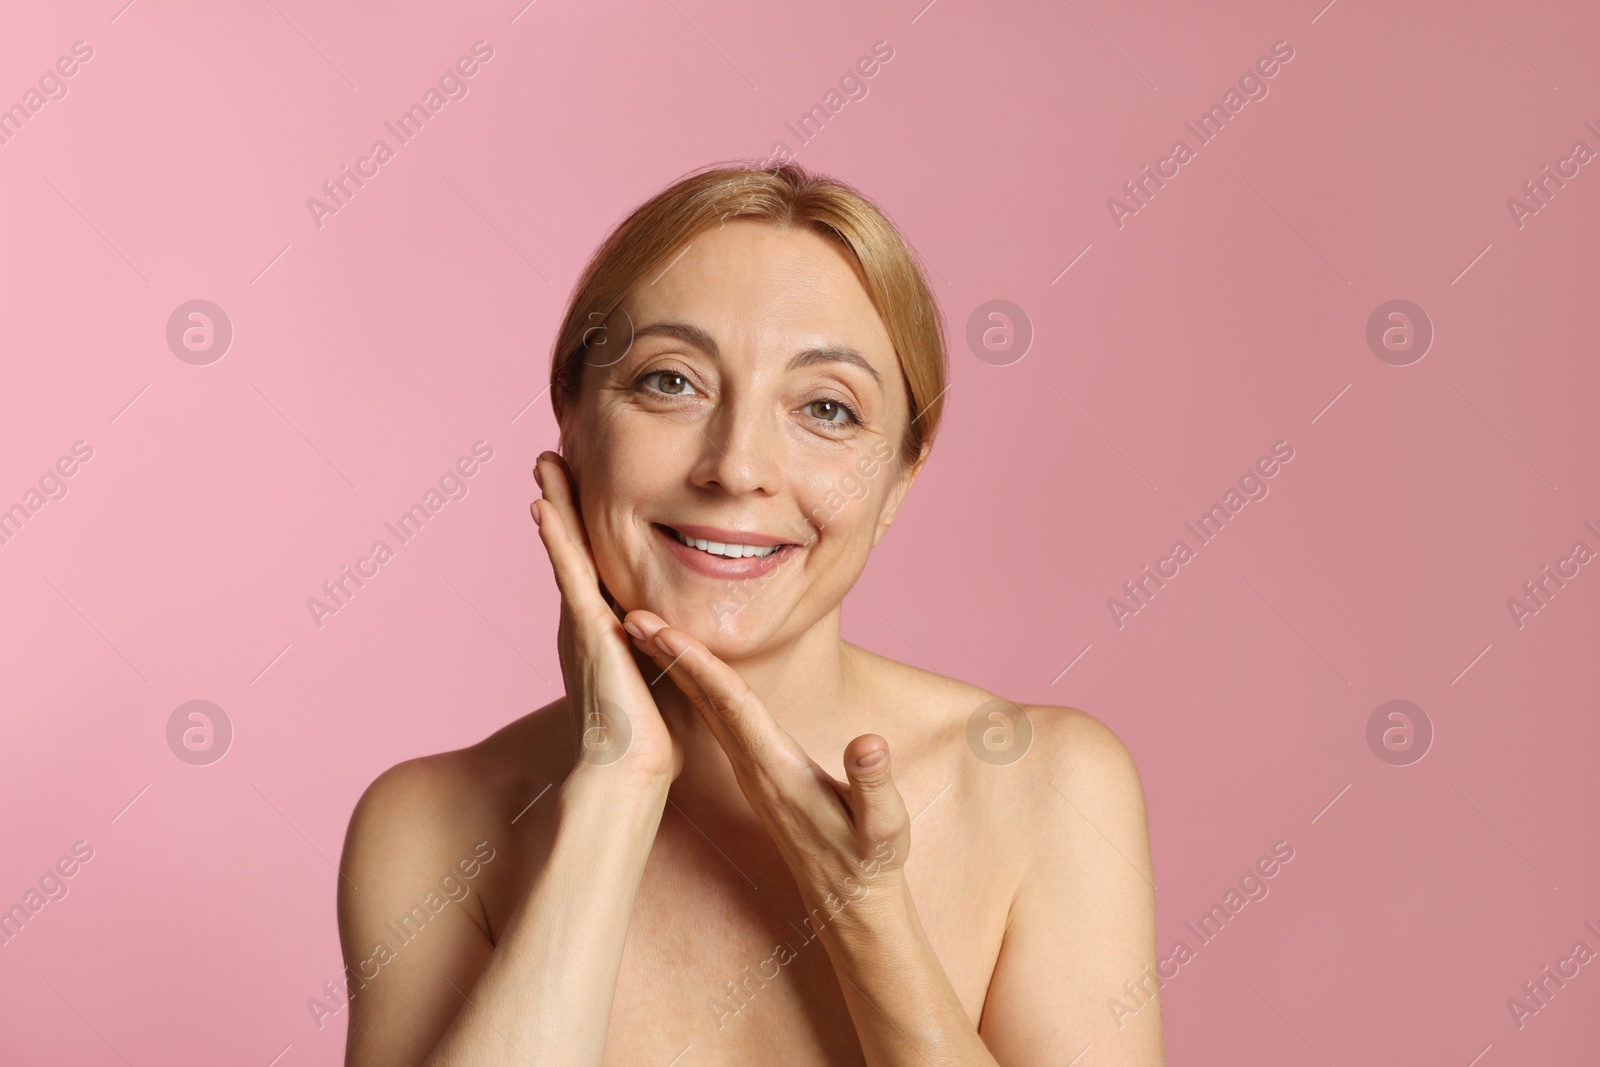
x: 615, y: 718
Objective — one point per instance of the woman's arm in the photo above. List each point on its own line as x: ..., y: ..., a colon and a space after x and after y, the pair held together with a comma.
x: 905, y: 1010
x: 846, y: 844
x: 543, y: 994
x: 545, y: 997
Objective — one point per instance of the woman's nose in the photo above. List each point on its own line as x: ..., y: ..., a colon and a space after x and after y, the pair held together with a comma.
x: 739, y: 453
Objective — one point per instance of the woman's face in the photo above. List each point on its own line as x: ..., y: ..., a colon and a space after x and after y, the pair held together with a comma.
x: 757, y: 413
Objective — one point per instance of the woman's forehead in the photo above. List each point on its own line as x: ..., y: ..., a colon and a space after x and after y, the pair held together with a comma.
x: 754, y: 286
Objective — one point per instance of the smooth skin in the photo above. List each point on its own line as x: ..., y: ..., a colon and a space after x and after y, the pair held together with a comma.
x: 737, y: 838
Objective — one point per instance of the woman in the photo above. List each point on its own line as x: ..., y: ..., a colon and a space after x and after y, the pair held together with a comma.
x: 737, y: 838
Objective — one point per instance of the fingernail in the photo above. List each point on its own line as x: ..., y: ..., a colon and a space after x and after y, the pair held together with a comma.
x: 871, y: 759
x: 661, y: 643
x: 534, y: 507
x: 633, y: 628
x: 537, y: 477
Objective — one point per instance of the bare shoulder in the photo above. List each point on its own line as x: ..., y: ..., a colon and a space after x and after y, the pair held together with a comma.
x: 1087, y: 895
x: 1026, y: 764
x: 1076, y: 745
x: 408, y: 821
x: 1045, y: 739
x: 428, y: 842
x: 1087, y: 787
x: 1023, y: 776
x: 433, y: 811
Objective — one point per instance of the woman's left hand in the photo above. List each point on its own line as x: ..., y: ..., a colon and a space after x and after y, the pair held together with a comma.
x: 846, y: 845
x: 838, y: 838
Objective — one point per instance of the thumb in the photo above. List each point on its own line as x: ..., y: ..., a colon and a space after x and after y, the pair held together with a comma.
x: 875, y: 801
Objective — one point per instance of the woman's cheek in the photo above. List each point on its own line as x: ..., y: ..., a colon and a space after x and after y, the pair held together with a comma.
x: 617, y: 559
x: 844, y: 505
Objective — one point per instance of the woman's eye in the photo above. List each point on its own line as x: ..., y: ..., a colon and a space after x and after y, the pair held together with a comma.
x: 670, y: 382
x: 830, y: 411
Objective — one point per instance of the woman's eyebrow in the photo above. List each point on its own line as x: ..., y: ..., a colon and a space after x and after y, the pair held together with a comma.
x: 681, y: 331
x: 812, y: 356
x: 694, y: 335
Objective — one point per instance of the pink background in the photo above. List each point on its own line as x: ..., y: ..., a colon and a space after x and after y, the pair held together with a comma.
x: 1228, y: 314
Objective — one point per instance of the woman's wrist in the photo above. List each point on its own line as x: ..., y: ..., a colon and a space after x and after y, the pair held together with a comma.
x: 876, y: 920
x: 613, y: 790
x: 904, y: 1007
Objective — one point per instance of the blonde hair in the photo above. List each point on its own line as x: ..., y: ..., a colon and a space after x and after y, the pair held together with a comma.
x: 786, y: 196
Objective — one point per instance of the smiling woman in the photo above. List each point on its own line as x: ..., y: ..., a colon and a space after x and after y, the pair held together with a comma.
x: 747, y: 382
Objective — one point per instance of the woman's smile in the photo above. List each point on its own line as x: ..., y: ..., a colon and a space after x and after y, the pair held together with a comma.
x: 729, y: 554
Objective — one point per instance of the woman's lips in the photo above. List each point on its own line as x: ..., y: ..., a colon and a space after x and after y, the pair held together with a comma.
x: 723, y: 566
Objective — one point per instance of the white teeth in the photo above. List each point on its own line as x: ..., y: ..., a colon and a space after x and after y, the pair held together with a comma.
x: 717, y: 548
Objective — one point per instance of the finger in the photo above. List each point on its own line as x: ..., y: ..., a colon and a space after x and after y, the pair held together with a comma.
x: 741, y: 723
x: 572, y: 577
x: 642, y: 627
x: 878, y: 809
x: 570, y: 563
x: 557, y: 484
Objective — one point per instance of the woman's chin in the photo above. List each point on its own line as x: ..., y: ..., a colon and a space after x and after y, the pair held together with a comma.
x: 727, y: 635
x: 727, y: 641
x: 731, y: 649
x: 730, y: 628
